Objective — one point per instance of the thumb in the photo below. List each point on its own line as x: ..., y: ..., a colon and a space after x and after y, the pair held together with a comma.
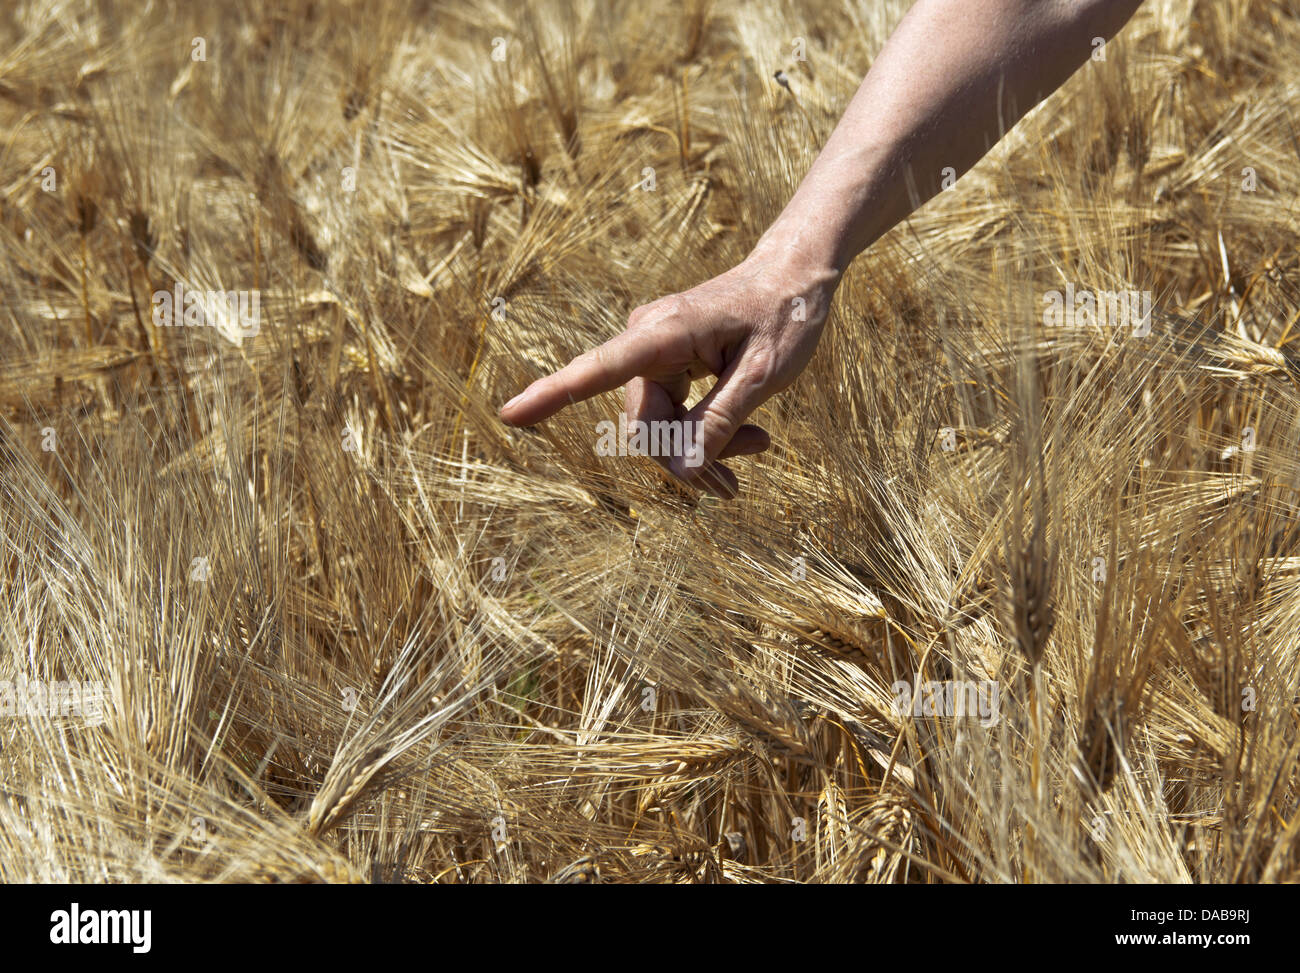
x: 713, y: 421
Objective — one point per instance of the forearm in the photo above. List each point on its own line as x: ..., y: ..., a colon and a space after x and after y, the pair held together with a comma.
x: 952, y: 79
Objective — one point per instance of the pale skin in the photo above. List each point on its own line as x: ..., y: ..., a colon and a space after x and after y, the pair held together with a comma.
x: 954, y: 76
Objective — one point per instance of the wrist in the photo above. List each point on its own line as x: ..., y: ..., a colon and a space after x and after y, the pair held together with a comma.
x: 789, y: 255
x: 792, y: 279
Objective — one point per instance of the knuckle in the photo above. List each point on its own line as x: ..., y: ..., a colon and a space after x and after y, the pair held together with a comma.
x: 673, y: 306
x: 657, y: 313
x: 761, y: 366
x: 721, y: 423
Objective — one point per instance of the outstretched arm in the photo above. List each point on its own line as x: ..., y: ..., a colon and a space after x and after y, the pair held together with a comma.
x: 951, y: 80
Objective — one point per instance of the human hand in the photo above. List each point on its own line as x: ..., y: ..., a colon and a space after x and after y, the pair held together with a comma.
x: 754, y: 328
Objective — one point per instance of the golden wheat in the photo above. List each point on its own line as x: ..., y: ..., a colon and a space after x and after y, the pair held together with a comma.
x: 348, y: 626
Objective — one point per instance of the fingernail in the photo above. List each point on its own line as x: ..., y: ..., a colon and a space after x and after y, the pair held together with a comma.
x: 513, y: 401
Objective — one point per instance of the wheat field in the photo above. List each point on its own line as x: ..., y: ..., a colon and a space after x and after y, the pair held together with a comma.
x: 331, y: 620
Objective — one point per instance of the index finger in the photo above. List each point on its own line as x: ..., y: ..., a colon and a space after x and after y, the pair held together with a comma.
x: 601, y: 369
